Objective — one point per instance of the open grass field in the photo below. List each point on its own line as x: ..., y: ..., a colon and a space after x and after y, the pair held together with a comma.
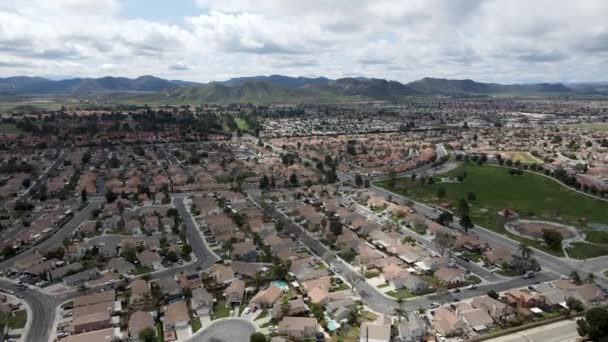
x: 531, y: 196
x: 599, y: 126
x: 582, y: 250
x: 524, y: 157
x: 9, y: 128
x: 241, y: 124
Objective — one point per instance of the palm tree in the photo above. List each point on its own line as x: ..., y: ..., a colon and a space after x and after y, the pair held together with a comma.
x: 525, y: 251
x: 400, y: 311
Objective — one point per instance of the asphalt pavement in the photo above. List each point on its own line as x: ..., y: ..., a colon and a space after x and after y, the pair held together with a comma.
x: 225, y: 330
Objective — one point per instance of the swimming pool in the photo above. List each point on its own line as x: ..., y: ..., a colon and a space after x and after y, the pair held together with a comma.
x: 280, y: 284
x: 332, y: 325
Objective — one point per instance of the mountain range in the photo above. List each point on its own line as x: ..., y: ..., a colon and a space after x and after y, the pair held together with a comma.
x: 279, y: 88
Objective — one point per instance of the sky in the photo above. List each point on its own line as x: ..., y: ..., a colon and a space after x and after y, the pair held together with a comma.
x: 504, y: 41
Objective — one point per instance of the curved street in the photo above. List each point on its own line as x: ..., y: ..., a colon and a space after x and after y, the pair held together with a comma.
x: 225, y: 330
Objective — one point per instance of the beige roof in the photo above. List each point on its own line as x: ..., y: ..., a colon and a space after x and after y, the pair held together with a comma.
x: 104, y: 335
x: 297, y: 323
x: 477, y: 318
x: 267, y: 296
x: 91, y: 318
x: 176, y: 312
x: 318, y: 295
x: 376, y: 332
x: 449, y: 274
x: 138, y: 321
x: 94, y: 298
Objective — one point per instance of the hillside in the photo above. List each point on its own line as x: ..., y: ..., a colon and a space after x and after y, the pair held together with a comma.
x: 430, y: 85
x: 286, y: 81
x: 23, y: 85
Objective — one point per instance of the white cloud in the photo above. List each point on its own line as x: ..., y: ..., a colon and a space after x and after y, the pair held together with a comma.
x: 489, y: 40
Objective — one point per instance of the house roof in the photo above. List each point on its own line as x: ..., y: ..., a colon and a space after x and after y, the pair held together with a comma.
x: 267, y: 296
x: 176, y: 312
x: 139, y: 321
x: 297, y: 323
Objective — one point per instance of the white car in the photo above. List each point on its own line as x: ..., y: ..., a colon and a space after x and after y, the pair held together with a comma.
x: 247, y: 311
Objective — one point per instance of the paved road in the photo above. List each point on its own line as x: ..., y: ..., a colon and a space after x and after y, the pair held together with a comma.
x: 563, y: 331
x: 225, y: 330
x: 43, y: 311
x: 372, y: 297
x: 57, y: 238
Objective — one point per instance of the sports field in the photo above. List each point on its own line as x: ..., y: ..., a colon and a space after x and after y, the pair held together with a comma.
x: 529, y: 195
x: 524, y: 157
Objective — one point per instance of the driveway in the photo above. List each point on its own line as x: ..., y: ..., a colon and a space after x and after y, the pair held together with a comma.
x: 225, y: 330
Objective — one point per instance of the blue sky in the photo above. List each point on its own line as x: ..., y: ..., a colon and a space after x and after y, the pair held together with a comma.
x: 515, y: 41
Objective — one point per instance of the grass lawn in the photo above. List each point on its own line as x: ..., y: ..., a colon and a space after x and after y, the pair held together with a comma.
x: 196, y: 324
x: 369, y: 275
x: 17, y: 320
x: 141, y: 270
x: 582, y: 250
x: 472, y: 279
x: 524, y: 157
x: 530, y: 195
x: 508, y: 273
x: 263, y: 314
x: 598, y: 126
x: 403, y: 293
x: 9, y: 128
x: 267, y: 324
x: 381, y: 286
x: 242, y: 124
x: 475, y: 257
x: 320, y: 266
x: 159, y: 333
x: 341, y: 287
x: 220, y: 310
x: 351, y: 336
x: 596, y: 236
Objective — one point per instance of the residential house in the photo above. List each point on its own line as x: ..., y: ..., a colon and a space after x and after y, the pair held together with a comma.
x: 201, y: 302
x: 498, y: 310
x: 298, y: 328
x: 450, y: 276
x: 176, y: 316
x: 477, y: 319
x: 267, y: 297
x: 519, y: 298
x: 234, y: 293
x: 375, y: 332
x: 138, y: 321
x: 244, y: 251
x: 81, y: 277
x: 411, y: 282
x: 412, y: 329
x: 150, y: 259
x: 447, y: 323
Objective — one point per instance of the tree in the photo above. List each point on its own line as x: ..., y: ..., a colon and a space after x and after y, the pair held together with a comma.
x: 83, y: 195
x: 590, y: 278
x: 293, y: 179
x: 399, y: 311
x: 466, y: 223
x: 553, y: 239
x: 575, y: 277
x: 358, y: 181
x: 525, y: 251
x: 392, y: 178
x: 280, y: 269
x: 335, y: 227
x: 493, y: 294
x: 463, y: 208
x: 443, y: 241
x: 471, y: 196
x: 257, y: 337
x: 147, y: 335
x: 441, y: 192
x: 445, y: 218
x: 595, y: 324
x: 264, y: 182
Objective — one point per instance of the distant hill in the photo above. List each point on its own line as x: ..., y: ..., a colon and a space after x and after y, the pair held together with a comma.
x: 278, y: 88
x: 23, y: 85
x: 286, y: 81
x: 430, y: 85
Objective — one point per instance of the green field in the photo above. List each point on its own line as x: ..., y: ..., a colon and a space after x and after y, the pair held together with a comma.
x: 524, y: 157
x: 599, y: 126
x: 241, y: 124
x: 582, y: 250
x: 9, y: 128
x: 530, y: 195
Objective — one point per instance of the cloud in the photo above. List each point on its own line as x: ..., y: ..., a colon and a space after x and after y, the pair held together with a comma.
x: 487, y: 40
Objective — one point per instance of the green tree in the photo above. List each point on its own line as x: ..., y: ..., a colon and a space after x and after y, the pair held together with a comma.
x: 147, y: 335
x: 399, y: 311
x: 257, y: 337
x: 392, y: 178
x: 525, y: 251
x: 293, y: 179
x: 553, y: 239
x: 595, y: 324
x: 441, y: 192
x: 466, y: 223
x: 463, y: 208
x: 358, y: 181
